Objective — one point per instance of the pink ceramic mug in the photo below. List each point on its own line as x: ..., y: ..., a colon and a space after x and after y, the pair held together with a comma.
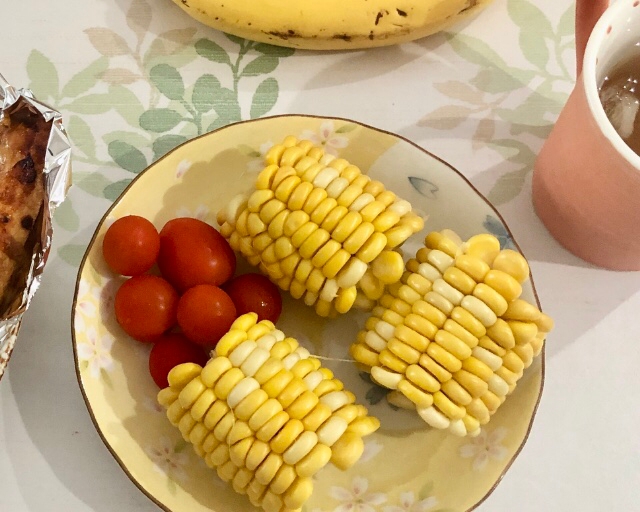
x: 586, y: 180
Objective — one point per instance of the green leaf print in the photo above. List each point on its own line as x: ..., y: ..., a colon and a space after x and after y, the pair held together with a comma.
x: 212, y: 51
x: 72, y: 253
x: 204, y: 93
x: 126, y: 103
x: 534, y: 48
x: 160, y: 120
x: 426, y: 491
x: 535, y: 29
x: 262, y: 65
x: 66, y: 217
x: 91, y: 104
x: 265, y: 97
x: 567, y: 23
x: 93, y: 183
x: 168, y: 81
x: 162, y: 145
x: 276, y: 51
x: 226, y: 106
x: 127, y: 156
x: 85, y: 79
x: 346, y: 128
x: 81, y: 136
x: 113, y: 191
x: 235, y: 39
x: 497, y: 80
x: 43, y: 76
x: 135, y: 139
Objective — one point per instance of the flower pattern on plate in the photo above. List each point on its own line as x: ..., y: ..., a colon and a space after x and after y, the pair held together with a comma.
x: 408, y: 503
x: 371, y: 449
x: 96, y: 351
x: 257, y: 163
x: 200, y: 213
x: 486, y: 446
x: 182, y: 168
x: 169, y: 458
x: 327, y: 137
x: 356, y: 498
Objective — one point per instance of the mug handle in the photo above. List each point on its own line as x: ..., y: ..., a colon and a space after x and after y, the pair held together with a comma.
x: 588, y: 13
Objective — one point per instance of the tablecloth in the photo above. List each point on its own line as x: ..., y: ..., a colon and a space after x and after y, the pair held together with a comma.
x: 133, y: 79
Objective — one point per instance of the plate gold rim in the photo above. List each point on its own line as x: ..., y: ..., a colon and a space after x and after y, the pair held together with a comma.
x: 86, y: 400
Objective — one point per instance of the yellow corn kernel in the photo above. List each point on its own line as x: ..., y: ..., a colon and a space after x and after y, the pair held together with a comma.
x: 415, y: 394
x: 227, y: 471
x: 491, y: 401
x: 335, y: 264
x: 501, y: 333
x: 297, y: 289
x: 419, y: 283
x: 452, y: 344
x: 239, y: 431
x: 294, y: 221
x: 319, y: 214
x: 389, y: 360
x: 526, y: 353
x: 411, y: 337
x: 471, y: 424
x: 316, y: 417
x: 456, y: 393
x: 255, y: 492
x: 436, y: 240
x: 286, y: 186
x: 385, y: 377
x: 315, y: 198
x: 512, y: 263
x: 430, y: 312
x: 479, y: 310
x: 264, y: 413
x: 293, y: 390
x: 266, y: 176
x: 217, y: 366
x: 257, y: 454
x: 167, y: 396
x: 522, y: 311
x: 385, y: 221
x: 272, y: 427
x: 408, y: 294
x: 318, y: 458
x: 447, y: 407
x: 439, y: 302
x: 175, y: 412
x: 276, y: 226
x: 422, y: 255
x: 363, y: 354
x: 512, y: 362
x: 315, y: 281
x: 428, y: 271
x: 333, y: 218
x: 349, y: 195
x: 472, y: 383
x: 420, y: 325
x: 227, y: 382
x: 423, y: 379
x: 259, y: 330
x: 261, y: 242
x: 289, y: 265
x: 346, y: 226
x: 544, y: 323
x: 408, y: 354
x: 345, y: 299
x: 280, y: 380
x: 398, y: 235
x: 484, y: 246
x: 439, y: 260
x: 305, y: 366
x: 220, y: 454
x: 364, y: 426
x: 388, y: 267
x: 375, y: 188
x: 302, y: 405
x: 443, y: 357
x: 285, y: 437
x: 389, y: 316
x: 299, y: 492
x: 299, y: 237
x: 182, y: 374
x: 258, y: 199
x: 372, y: 210
x: 222, y: 429
x: 386, y: 197
x: 537, y: 344
x: 361, y: 201
x: 326, y: 178
x: 215, y: 413
x: 479, y: 410
x: 250, y: 404
x: 241, y: 480
x: 300, y: 447
x: 523, y: 332
x: 498, y: 386
x: 460, y: 332
x: 504, y: 284
x: 347, y: 450
x: 473, y: 267
x: 242, y: 390
x: 372, y: 246
x: 358, y: 237
x: 267, y: 471
x: 210, y: 442
x: 328, y: 386
x: 312, y: 171
x: 478, y: 367
x: 488, y: 344
x: 507, y: 375
x: 270, y: 209
x: 468, y: 321
x: 491, y: 298
x: 185, y: 425
x: 285, y: 476
x: 255, y: 226
x: 313, y: 243
x: 344, y: 167
x: 269, y: 258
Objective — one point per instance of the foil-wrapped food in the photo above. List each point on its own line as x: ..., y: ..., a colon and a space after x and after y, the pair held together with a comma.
x: 35, y: 174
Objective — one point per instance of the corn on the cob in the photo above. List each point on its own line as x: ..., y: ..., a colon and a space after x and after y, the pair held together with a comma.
x: 321, y: 229
x: 266, y: 415
x: 452, y: 338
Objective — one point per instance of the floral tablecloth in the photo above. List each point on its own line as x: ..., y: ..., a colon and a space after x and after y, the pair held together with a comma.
x: 135, y: 78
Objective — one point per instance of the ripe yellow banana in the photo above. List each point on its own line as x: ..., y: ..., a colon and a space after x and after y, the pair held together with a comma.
x: 330, y: 24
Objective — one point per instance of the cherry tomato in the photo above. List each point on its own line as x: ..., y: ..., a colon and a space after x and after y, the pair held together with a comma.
x: 130, y: 246
x: 192, y: 252
x: 205, y: 314
x: 255, y: 293
x: 170, y: 350
x: 146, y: 307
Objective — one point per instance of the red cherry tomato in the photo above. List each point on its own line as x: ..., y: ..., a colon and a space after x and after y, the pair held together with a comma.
x: 205, y: 314
x: 255, y: 293
x: 146, y: 307
x: 130, y: 246
x: 192, y: 252
x: 171, y: 350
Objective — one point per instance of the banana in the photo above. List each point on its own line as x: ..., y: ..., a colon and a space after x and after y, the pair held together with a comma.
x: 330, y: 24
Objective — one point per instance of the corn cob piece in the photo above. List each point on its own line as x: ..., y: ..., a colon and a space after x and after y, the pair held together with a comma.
x: 453, y: 337
x: 320, y: 229
x: 266, y: 415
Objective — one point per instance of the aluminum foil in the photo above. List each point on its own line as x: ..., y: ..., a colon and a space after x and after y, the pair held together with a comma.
x: 57, y: 173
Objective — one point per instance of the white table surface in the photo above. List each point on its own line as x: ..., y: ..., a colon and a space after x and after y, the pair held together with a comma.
x: 583, y: 453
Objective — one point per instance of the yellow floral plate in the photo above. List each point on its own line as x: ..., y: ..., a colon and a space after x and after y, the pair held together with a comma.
x: 406, y: 466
